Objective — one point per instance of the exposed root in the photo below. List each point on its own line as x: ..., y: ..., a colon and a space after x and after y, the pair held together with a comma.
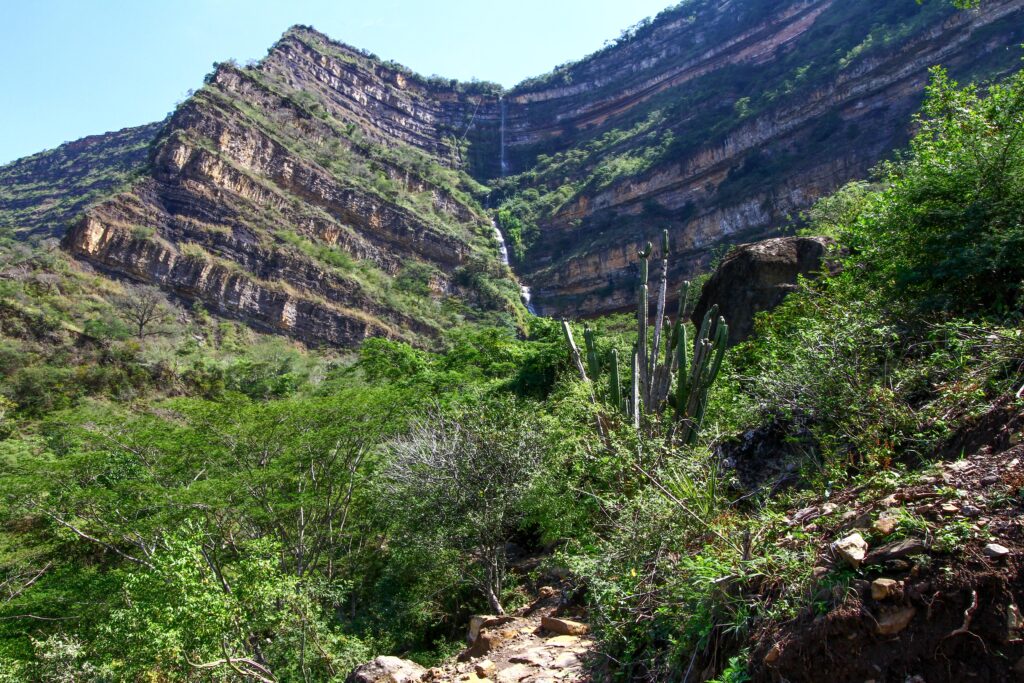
x: 965, y: 628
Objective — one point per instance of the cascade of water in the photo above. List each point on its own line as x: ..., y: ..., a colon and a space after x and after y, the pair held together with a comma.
x: 524, y: 291
x: 527, y: 296
x: 504, y: 113
x: 502, y: 247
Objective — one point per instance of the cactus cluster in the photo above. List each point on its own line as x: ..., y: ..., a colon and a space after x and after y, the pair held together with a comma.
x: 666, y: 376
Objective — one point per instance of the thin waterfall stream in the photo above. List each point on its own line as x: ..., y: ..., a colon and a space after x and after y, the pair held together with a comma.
x: 503, y: 105
x: 524, y: 291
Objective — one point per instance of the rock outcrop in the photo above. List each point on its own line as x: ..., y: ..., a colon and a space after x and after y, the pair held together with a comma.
x: 756, y: 277
x: 722, y: 122
x: 41, y: 194
x: 529, y: 647
x: 314, y: 195
x: 331, y: 196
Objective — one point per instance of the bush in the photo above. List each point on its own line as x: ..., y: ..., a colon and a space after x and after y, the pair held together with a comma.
x: 949, y: 229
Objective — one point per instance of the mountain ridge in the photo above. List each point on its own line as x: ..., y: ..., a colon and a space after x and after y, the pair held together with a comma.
x: 330, y: 195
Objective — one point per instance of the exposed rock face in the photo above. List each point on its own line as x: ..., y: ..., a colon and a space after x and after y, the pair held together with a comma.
x: 331, y: 196
x: 387, y: 670
x: 721, y: 121
x: 40, y: 194
x: 756, y: 277
x: 294, y: 195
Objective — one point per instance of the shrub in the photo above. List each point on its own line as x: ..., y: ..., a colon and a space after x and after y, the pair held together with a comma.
x: 949, y: 229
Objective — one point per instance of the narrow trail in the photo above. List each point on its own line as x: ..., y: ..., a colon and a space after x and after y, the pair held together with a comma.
x: 536, y: 645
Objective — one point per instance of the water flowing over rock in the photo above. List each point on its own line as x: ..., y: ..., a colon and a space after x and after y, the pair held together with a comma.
x: 270, y: 190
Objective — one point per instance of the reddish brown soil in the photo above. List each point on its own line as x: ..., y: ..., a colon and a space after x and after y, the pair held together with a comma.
x: 967, y: 624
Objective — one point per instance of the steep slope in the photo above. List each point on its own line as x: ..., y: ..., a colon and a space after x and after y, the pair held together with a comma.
x: 41, y: 193
x: 331, y: 196
x: 313, y: 194
x: 719, y: 121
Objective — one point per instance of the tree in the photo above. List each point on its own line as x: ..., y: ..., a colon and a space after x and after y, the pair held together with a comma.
x: 145, y: 309
x: 462, y: 477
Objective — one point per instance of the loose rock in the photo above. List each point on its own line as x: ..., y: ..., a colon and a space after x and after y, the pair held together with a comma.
x: 564, y: 627
x: 883, y: 588
x: 851, y: 549
x: 970, y: 511
x: 899, y: 550
x: 996, y: 551
x: 885, y: 524
x: 387, y: 670
x: 485, y: 668
x: 486, y: 642
x: 892, y: 622
x: 479, y: 622
x: 514, y: 673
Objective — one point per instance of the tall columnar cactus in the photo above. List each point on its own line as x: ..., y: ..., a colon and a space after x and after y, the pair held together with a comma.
x: 593, y: 365
x: 614, y: 385
x: 666, y: 376
x: 642, y: 316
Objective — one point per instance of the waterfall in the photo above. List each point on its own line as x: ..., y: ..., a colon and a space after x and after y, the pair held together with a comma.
x: 524, y: 291
x: 502, y: 247
x: 504, y: 113
x: 527, y: 296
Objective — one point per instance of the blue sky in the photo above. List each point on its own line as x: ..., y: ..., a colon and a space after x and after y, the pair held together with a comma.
x: 78, y: 67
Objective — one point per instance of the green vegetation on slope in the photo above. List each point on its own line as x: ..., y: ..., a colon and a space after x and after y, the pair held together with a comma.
x: 175, y: 500
x: 41, y: 193
x: 672, y: 126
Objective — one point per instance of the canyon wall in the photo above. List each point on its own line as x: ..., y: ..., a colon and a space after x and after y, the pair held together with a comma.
x: 331, y: 196
x: 721, y: 121
x: 314, y: 194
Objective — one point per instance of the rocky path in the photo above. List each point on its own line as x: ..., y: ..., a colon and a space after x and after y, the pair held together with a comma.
x: 539, y: 644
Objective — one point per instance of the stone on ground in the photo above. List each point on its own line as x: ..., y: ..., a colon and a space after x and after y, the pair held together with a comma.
x: 564, y: 627
x: 387, y: 670
x: 996, y: 551
x: 851, y: 549
x: 893, y: 621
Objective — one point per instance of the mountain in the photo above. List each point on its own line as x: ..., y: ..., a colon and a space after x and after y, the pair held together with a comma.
x: 720, y: 121
x: 331, y: 196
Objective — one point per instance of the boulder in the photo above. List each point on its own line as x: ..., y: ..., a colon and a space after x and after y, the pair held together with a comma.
x: 756, y: 277
x: 483, y: 621
x: 486, y: 642
x: 387, y: 670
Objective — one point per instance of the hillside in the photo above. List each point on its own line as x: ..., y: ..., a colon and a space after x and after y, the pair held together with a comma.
x: 272, y: 409
x: 328, y: 195
x: 721, y: 121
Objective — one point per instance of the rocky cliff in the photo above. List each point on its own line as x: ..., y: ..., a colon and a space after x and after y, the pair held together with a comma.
x: 329, y: 195
x: 721, y: 121
x: 315, y: 194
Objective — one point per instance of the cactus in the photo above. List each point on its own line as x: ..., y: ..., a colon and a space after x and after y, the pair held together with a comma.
x: 593, y: 365
x: 659, y: 319
x: 614, y: 385
x: 667, y: 378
